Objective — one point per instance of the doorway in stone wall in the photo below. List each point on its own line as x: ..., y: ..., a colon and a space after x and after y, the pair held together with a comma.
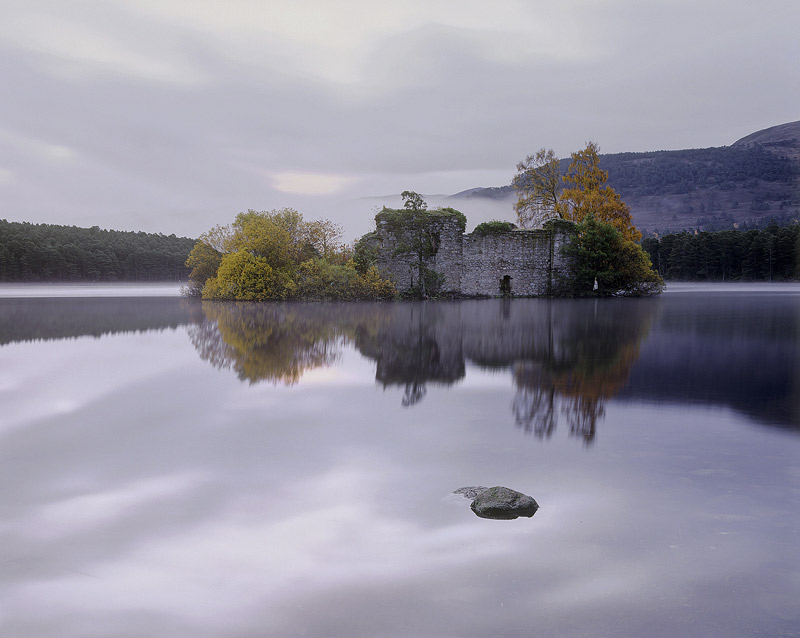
x: 505, y: 285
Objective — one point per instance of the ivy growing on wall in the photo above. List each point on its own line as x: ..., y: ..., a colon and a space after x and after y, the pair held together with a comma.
x: 494, y: 227
x: 417, y: 233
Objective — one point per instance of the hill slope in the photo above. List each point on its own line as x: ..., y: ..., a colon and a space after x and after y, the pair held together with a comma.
x: 753, y: 181
x: 783, y: 139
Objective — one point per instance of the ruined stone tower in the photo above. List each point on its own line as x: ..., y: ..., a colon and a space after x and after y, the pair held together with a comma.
x: 516, y: 263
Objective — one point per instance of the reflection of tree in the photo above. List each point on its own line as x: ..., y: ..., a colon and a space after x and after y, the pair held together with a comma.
x: 565, y: 356
x: 535, y: 404
x: 589, y: 362
x: 208, y: 341
x: 279, y: 342
x: 414, y: 393
x: 272, y: 342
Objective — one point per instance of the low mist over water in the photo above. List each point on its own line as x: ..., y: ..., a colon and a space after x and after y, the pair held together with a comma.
x: 102, y: 290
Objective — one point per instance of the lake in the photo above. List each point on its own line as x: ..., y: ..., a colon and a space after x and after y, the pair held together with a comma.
x: 186, y: 469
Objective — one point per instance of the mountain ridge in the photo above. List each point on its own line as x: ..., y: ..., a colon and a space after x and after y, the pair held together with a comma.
x: 752, y: 182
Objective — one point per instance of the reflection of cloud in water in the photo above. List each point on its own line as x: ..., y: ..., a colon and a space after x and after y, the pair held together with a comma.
x: 66, y: 382
x: 325, y: 535
x: 319, y: 511
x: 332, y: 552
x: 88, y: 510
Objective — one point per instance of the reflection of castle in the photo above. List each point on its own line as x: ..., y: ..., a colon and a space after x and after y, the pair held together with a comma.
x: 415, y: 345
x: 565, y: 355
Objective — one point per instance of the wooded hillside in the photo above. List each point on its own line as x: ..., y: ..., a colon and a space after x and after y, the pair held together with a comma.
x: 755, y: 181
x: 49, y: 252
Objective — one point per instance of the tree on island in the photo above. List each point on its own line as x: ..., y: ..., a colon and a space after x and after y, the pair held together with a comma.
x: 607, y: 260
x: 586, y: 193
x: 605, y: 263
x: 421, y: 241
x: 204, y: 261
x: 277, y: 255
x: 538, y: 184
x: 541, y: 197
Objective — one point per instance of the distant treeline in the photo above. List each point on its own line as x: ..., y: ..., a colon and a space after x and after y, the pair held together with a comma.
x: 49, y: 252
x: 770, y: 254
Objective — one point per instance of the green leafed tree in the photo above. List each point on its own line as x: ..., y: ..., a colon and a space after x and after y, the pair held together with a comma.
x: 606, y: 263
x: 421, y: 242
x: 204, y: 261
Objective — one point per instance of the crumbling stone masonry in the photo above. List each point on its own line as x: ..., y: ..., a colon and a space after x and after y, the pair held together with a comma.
x: 516, y: 263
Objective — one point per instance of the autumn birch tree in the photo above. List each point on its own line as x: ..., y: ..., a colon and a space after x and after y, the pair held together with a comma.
x: 537, y: 182
x: 586, y: 193
x: 325, y: 236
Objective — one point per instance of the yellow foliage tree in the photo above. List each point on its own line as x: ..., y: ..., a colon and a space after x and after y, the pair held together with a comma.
x: 262, y: 234
x: 242, y: 276
x: 206, y: 255
x: 585, y: 194
x: 277, y: 255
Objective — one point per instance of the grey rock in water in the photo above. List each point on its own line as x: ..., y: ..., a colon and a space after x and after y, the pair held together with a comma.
x: 503, y: 503
x: 470, y: 492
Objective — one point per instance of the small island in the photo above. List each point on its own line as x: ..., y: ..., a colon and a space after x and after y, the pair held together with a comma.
x: 578, y: 240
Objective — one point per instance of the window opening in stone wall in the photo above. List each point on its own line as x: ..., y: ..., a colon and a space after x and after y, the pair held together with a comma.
x: 505, y: 285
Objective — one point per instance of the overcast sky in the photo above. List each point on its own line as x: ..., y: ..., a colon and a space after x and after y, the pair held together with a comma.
x: 173, y: 115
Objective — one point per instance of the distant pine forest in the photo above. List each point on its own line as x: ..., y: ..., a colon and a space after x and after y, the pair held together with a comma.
x: 49, y: 252
x: 770, y: 254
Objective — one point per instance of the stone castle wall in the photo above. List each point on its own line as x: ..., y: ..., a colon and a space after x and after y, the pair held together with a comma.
x: 517, y: 263
x: 402, y: 265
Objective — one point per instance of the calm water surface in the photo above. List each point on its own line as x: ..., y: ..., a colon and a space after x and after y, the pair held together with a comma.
x: 220, y: 470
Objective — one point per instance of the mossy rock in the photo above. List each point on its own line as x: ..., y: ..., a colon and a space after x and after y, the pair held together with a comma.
x: 503, y: 503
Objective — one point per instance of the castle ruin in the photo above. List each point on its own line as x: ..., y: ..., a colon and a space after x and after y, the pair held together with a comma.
x: 484, y: 263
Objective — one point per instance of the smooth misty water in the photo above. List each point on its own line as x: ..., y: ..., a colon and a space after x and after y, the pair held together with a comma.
x: 220, y: 470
